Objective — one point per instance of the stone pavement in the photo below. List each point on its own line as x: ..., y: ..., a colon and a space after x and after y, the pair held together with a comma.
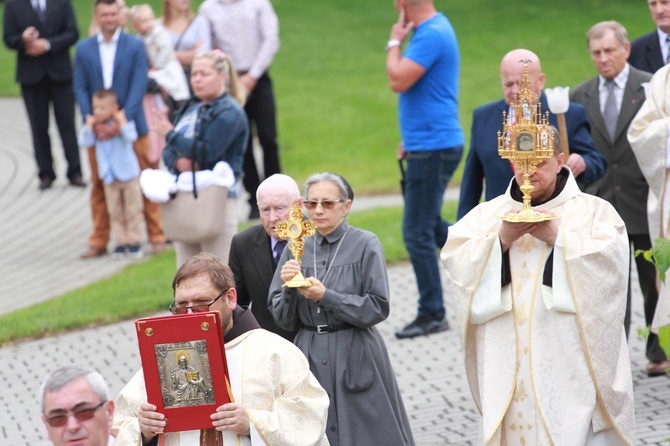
x: 43, y: 233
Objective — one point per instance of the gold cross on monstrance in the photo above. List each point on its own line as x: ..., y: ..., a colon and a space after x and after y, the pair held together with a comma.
x: 296, y: 229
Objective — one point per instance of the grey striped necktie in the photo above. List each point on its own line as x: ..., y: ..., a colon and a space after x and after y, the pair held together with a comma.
x: 611, y: 110
x: 667, y: 46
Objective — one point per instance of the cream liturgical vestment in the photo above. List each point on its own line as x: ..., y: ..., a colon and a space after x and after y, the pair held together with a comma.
x: 546, y: 365
x: 649, y: 137
x: 270, y: 376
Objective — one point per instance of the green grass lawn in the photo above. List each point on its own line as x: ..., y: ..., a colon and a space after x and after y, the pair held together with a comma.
x: 145, y: 288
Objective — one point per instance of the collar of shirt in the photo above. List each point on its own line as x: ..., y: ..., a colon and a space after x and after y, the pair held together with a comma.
x: 662, y: 36
x: 619, y: 80
x: 114, y: 39
x: 39, y: 4
x: 273, y: 243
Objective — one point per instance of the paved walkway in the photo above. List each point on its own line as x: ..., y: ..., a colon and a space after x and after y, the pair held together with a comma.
x: 41, y: 235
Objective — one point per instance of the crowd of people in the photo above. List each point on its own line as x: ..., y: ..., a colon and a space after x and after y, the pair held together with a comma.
x: 543, y: 307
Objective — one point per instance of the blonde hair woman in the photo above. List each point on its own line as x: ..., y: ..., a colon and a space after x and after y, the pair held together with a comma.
x: 211, y: 127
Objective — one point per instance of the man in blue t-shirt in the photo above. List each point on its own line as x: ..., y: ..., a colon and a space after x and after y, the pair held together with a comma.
x: 426, y: 76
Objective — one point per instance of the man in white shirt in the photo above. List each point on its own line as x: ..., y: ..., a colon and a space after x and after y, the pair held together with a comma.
x: 651, y: 51
x: 114, y: 60
x: 623, y: 185
x: 76, y: 408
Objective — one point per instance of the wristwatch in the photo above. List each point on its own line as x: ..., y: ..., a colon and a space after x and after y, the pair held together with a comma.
x: 391, y: 43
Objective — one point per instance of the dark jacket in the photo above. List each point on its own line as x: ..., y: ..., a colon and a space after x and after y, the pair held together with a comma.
x: 59, y: 28
x: 221, y: 133
x: 645, y: 53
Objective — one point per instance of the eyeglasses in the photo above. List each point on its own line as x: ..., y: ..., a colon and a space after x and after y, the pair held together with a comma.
x: 326, y: 204
x: 199, y: 308
x: 80, y: 414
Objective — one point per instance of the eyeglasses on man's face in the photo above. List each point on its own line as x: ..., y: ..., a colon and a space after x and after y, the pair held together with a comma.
x: 80, y: 414
x: 198, y: 308
x: 326, y: 204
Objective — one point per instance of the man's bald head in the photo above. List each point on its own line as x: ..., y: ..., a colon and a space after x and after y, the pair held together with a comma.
x: 511, y: 72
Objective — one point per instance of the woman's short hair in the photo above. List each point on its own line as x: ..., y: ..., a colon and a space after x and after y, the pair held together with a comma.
x: 333, y: 178
x: 205, y: 263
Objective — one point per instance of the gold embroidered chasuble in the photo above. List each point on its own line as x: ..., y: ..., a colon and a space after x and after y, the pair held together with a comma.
x: 270, y: 376
x: 554, y: 360
x: 649, y: 137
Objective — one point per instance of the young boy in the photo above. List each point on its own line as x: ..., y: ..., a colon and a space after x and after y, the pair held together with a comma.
x: 119, y: 171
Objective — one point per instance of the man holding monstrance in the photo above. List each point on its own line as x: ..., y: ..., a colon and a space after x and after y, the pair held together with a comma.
x: 537, y: 279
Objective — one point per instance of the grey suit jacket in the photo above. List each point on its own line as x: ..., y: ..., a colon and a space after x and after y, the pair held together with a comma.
x: 251, y: 261
x: 623, y: 184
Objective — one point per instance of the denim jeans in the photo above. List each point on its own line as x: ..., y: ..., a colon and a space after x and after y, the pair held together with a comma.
x: 424, y: 230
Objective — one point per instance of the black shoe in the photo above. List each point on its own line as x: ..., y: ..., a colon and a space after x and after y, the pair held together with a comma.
x: 77, y: 181
x: 422, y: 326
x: 119, y: 252
x: 45, y: 183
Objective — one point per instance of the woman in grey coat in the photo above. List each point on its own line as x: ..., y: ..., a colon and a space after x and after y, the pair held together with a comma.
x: 337, y: 314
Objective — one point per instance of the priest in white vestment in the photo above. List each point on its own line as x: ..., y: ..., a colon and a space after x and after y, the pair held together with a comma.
x: 277, y: 399
x: 540, y: 307
x: 649, y: 137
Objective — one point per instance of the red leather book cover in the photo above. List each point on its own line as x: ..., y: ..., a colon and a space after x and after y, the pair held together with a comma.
x: 185, y: 368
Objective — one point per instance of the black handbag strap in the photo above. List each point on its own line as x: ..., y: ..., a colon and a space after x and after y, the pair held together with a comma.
x: 181, y: 36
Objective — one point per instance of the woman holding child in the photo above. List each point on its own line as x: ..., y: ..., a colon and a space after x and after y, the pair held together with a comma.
x: 211, y: 127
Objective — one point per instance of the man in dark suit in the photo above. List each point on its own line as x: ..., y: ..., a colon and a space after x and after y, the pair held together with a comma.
x: 42, y: 33
x: 255, y: 251
x: 651, y: 51
x: 623, y: 184
x: 114, y: 60
x: 483, y: 161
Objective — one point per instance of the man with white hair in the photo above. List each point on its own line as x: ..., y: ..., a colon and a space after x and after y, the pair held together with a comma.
x: 76, y: 408
x: 255, y: 251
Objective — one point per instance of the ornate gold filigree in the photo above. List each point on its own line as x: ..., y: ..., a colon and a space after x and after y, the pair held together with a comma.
x: 296, y: 229
x: 526, y: 140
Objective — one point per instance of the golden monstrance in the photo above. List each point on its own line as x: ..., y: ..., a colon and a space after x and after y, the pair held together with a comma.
x: 526, y: 140
x: 296, y: 229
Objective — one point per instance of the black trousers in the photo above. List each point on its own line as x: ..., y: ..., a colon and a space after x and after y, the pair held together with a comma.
x: 647, y: 277
x: 36, y: 98
x: 260, y: 109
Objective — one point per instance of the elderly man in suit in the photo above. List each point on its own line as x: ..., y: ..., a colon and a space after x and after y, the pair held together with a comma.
x: 114, y: 60
x: 255, y: 251
x: 483, y: 162
x: 612, y: 99
x: 42, y: 32
x: 651, y: 51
